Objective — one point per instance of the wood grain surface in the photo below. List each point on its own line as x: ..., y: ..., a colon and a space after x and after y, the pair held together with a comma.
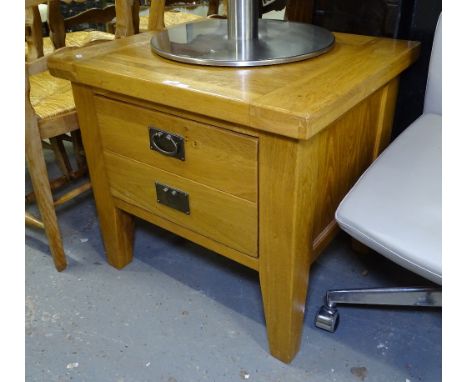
x: 297, y: 100
x: 222, y: 217
x: 218, y: 158
x: 301, y: 134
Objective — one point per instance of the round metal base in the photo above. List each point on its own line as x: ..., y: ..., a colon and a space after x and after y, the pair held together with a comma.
x: 207, y: 43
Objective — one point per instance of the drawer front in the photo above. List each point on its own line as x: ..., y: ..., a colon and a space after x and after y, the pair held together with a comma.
x: 215, y: 157
x: 217, y: 215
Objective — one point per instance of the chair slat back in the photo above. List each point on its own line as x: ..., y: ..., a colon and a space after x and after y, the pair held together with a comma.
x: 127, y: 18
x: 58, y: 24
x: 33, y: 30
x: 156, y: 17
x: 32, y: 3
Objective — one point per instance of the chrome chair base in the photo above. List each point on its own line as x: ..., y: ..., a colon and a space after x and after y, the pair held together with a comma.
x: 327, y: 317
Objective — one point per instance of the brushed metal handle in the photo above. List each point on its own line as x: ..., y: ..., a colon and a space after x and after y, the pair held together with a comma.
x: 160, y: 149
x: 172, y: 197
x: 166, y: 143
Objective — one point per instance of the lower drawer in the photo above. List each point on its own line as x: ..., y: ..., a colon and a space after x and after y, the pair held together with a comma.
x: 222, y: 217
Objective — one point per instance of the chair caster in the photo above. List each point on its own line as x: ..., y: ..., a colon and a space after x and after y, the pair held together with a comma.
x: 327, y: 318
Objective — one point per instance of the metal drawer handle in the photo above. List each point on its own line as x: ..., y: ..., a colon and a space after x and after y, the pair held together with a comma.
x: 166, y: 143
x: 173, y: 198
x: 160, y: 149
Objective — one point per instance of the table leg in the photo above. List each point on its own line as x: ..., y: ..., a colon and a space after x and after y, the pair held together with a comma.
x: 286, y: 211
x: 116, y: 225
x: 284, y: 289
x: 300, y: 186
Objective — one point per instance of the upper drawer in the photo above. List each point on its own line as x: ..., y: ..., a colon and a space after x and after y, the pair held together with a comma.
x: 215, y: 157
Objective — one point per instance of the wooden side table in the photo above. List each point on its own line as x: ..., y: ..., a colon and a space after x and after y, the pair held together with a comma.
x: 250, y: 163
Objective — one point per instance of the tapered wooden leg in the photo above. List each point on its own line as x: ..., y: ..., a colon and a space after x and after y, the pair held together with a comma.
x: 61, y: 156
x: 284, y: 290
x: 116, y: 225
x: 117, y: 229
x: 286, y: 211
x: 213, y: 6
x: 78, y: 150
x: 33, y: 221
x: 40, y: 182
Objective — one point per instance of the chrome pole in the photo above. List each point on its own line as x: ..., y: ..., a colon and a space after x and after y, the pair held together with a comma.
x: 242, y: 19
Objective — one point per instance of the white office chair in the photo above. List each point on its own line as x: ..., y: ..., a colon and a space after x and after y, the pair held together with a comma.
x: 395, y: 208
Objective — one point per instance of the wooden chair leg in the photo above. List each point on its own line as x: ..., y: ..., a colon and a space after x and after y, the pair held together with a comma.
x: 46, y: 145
x: 54, y: 184
x: 40, y: 182
x: 73, y: 194
x: 213, y: 7
x: 78, y: 150
x: 61, y: 156
x: 33, y: 221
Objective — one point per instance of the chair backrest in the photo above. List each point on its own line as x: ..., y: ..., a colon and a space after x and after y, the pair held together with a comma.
x: 433, y: 98
x: 33, y: 29
x: 127, y: 13
x: 128, y: 19
x: 58, y: 24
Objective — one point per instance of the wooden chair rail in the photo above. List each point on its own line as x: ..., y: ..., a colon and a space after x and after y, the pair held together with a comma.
x: 33, y: 221
x: 32, y: 3
x: 92, y: 16
x: 53, y: 120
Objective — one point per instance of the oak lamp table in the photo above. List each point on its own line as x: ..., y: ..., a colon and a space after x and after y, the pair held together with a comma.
x: 250, y: 163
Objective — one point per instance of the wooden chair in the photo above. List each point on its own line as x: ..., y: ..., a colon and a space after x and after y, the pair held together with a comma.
x: 50, y: 115
x: 213, y: 5
x: 130, y: 22
x: 147, y: 23
x: 59, y: 25
x: 263, y: 6
x: 162, y: 7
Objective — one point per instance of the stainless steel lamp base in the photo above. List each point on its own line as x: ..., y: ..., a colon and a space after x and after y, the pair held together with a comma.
x: 207, y: 43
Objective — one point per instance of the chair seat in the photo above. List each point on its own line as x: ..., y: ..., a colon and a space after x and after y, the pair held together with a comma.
x: 75, y: 39
x: 50, y: 96
x: 396, y: 206
x: 170, y: 18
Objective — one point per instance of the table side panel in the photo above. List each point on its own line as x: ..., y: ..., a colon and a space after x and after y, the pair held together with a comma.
x: 345, y: 149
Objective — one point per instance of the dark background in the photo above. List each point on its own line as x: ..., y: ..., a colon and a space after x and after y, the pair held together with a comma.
x: 404, y: 19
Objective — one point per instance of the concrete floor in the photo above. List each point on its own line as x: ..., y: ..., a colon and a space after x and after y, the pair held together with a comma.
x: 181, y: 313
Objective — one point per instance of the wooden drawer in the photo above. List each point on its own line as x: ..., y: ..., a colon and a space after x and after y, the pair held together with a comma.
x: 214, y: 157
x: 222, y: 217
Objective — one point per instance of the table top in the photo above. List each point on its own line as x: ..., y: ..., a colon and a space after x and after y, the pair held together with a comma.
x: 296, y: 100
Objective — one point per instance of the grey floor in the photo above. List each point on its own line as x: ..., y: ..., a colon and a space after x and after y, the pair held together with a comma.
x: 180, y: 313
